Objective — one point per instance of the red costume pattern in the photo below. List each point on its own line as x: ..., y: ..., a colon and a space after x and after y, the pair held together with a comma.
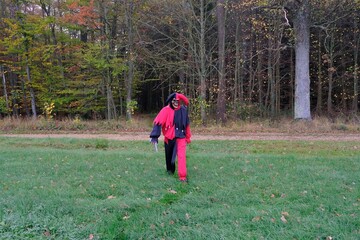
x: 173, y: 122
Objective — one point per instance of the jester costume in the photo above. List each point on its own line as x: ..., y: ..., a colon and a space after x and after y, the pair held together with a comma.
x: 173, y: 121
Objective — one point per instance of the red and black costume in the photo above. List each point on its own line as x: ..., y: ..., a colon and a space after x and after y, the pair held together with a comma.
x: 175, y: 126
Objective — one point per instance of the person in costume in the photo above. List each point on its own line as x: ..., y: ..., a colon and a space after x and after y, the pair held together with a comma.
x: 173, y: 121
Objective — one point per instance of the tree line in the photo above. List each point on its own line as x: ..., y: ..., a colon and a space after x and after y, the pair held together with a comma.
x: 103, y: 59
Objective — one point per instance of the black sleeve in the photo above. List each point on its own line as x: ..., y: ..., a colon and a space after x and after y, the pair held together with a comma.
x: 155, y: 133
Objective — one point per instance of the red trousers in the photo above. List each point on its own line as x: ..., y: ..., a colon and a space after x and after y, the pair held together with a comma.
x: 181, y: 155
x: 176, y: 148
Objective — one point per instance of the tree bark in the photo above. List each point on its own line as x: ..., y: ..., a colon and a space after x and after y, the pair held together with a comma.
x: 330, y: 70
x: 4, y: 87
x: 238, y: 79
x: 302, y: 74
x: 130, y: 61
x: 221, y: 105
x: 355, y: 102
x: 202, y: 65
x: 32, y: 93
x: 319, y: 78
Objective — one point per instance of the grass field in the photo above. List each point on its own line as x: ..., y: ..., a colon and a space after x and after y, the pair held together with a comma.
x: 100, y: 189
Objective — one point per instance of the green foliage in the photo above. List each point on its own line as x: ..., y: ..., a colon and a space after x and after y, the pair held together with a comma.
x: 3, y: 109
x: 246, y: 111
x: 131, y: 107
x: 101, y: 144
x: 195, y: 110
x: 80, y: 189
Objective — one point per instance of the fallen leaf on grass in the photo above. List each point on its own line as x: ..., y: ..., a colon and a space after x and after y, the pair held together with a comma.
x: 283, y: 219
x: 126, y: 217
x: 91, y: 236
x: 256, y: 219
x: 187, y: 216
x: 172, y: 191
x: 111, y: 197
x: 286, y: 214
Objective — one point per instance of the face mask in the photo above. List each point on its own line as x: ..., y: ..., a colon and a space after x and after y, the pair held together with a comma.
x: 175, y: 103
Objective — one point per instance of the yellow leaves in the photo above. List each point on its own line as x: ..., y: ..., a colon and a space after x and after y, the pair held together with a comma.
x: 48, y: 109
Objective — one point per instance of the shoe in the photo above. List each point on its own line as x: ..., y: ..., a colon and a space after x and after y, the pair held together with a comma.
x: 184, y: 180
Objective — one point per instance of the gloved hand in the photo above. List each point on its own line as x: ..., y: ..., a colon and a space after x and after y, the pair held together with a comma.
x: 188, y: 140
x: 154, y: 140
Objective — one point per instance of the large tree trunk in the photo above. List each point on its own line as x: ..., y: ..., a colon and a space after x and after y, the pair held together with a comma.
x: 302, y: 75
x: 221, y: 105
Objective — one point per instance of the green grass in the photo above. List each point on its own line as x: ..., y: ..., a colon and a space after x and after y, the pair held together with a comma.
x: 100, y: 189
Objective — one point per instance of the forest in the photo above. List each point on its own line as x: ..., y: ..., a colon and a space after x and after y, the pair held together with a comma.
x: 106, y: 59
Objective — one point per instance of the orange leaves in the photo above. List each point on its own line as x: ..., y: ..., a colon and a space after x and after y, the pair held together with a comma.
x: 85, y: 16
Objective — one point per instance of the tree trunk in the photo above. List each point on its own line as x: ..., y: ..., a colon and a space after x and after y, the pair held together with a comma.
x: 277, y: 83
x: 202, y: 65
x: 302, y: 75
x: 330, y: 61
x: 271, y: 81
x: 221, y: 105
x: 15, y: 105
x: 259, y: 74
x: 32, y: 93
x: 355, y: 102
x: 251, y: 68
x: 292, y: 79
x: 130, y: 61
x: 5, y: 89
x: 238, y: 91
x: 319, y: 78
